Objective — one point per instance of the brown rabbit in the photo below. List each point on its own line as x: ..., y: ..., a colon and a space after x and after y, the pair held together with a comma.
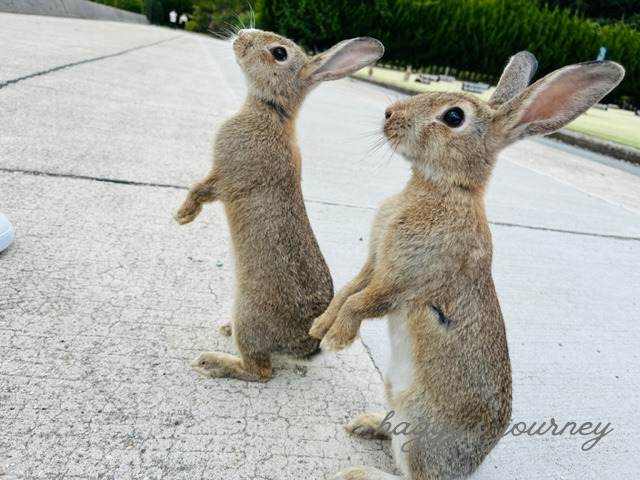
x: 282, y: 279
x: 429, y: 269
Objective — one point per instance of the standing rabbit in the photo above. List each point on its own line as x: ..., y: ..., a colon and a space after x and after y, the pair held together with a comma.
x: 282, y: 279
x: 429, y: 269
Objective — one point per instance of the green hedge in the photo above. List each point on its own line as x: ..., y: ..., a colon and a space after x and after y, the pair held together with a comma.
x: 475, y: 36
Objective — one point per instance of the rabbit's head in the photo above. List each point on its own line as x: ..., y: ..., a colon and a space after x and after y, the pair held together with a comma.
x: 455, y: 138
x: 280, y: 72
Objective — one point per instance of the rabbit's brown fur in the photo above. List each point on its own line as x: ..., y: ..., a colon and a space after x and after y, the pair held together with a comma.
x: 429, y: 266
x: 282, y: 280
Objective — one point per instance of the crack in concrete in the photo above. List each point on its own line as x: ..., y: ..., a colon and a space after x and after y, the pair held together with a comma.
x: 82, y: 62
x: 373, y: 360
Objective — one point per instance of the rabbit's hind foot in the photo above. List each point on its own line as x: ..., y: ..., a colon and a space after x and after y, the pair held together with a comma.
x: 367, y: 425
x: 364, y: 473
x: 254, y: 368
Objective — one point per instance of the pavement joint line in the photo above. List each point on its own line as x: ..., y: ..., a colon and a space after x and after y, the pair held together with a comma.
x: 570, y: 232
x: 82, y: 62
x: 89, y: 178
x: 346, y: 205
x: 320, y: 202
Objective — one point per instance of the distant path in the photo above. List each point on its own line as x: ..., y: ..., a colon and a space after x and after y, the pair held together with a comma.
x: 71, y: 8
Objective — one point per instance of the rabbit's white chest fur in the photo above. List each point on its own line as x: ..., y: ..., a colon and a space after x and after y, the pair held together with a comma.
x: 400, y: 373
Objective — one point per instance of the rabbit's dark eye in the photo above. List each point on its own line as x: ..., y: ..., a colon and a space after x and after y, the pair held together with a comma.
x: 453, y: 117
x: 279, y: 53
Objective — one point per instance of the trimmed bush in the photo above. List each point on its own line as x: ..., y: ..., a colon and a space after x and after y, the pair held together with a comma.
x: 475, y: 36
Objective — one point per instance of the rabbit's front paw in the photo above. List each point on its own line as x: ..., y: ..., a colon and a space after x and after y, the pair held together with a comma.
x: 321, y: 325
x: 187, y: 212
x: 340, y: 335
x: 334, y: 345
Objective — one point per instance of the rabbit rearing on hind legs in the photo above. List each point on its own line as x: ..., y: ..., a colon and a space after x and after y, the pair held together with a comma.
x: 282, y: 279
x: 429, y: 266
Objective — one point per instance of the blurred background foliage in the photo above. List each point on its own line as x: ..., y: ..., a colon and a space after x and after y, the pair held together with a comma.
x: 474, y: 38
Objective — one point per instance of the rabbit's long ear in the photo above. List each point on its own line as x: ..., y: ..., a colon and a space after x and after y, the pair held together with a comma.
x: 345, y: 58
x: 557, y: 99
x: 515, y: 78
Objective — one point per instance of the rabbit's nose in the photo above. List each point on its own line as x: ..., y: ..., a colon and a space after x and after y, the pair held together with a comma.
x: 240, y: 33
x: 387, y: 114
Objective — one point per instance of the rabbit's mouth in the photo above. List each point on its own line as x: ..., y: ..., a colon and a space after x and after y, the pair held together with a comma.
x: 240, y: 47
x: 398, y: 144
x: 401, y: 139
x: 394, y: 132
x: 395, y: 140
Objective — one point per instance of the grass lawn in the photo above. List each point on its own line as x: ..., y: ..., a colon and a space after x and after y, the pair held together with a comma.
x: 620, y: 126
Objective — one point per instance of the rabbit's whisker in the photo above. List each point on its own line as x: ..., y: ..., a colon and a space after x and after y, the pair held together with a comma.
x: 252, y: 16
x: 363, y: 136
x: 220, y: 35
x: 393, y: 153
x: 380, y: 141
x: 237, y: 17
x: 225, y: 34
x: 371, y: 151
x: 233, y: 28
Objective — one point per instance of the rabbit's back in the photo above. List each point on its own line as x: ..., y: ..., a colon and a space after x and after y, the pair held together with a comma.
x: 280, y: 270
x: 277, y: 255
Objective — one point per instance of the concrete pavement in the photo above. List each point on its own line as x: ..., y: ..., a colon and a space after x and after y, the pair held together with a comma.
x: 104, y: 300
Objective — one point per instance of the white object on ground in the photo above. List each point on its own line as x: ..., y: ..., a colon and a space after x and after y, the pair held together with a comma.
x: 6, y: 232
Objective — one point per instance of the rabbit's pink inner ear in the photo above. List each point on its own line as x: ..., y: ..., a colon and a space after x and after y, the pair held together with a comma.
x: 338, y: 63
x: 563, y: 96
x: 347, y: 57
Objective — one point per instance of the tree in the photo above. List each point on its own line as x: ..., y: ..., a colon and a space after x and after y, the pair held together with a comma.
x: 131, y: 5
x: 154, y: 11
